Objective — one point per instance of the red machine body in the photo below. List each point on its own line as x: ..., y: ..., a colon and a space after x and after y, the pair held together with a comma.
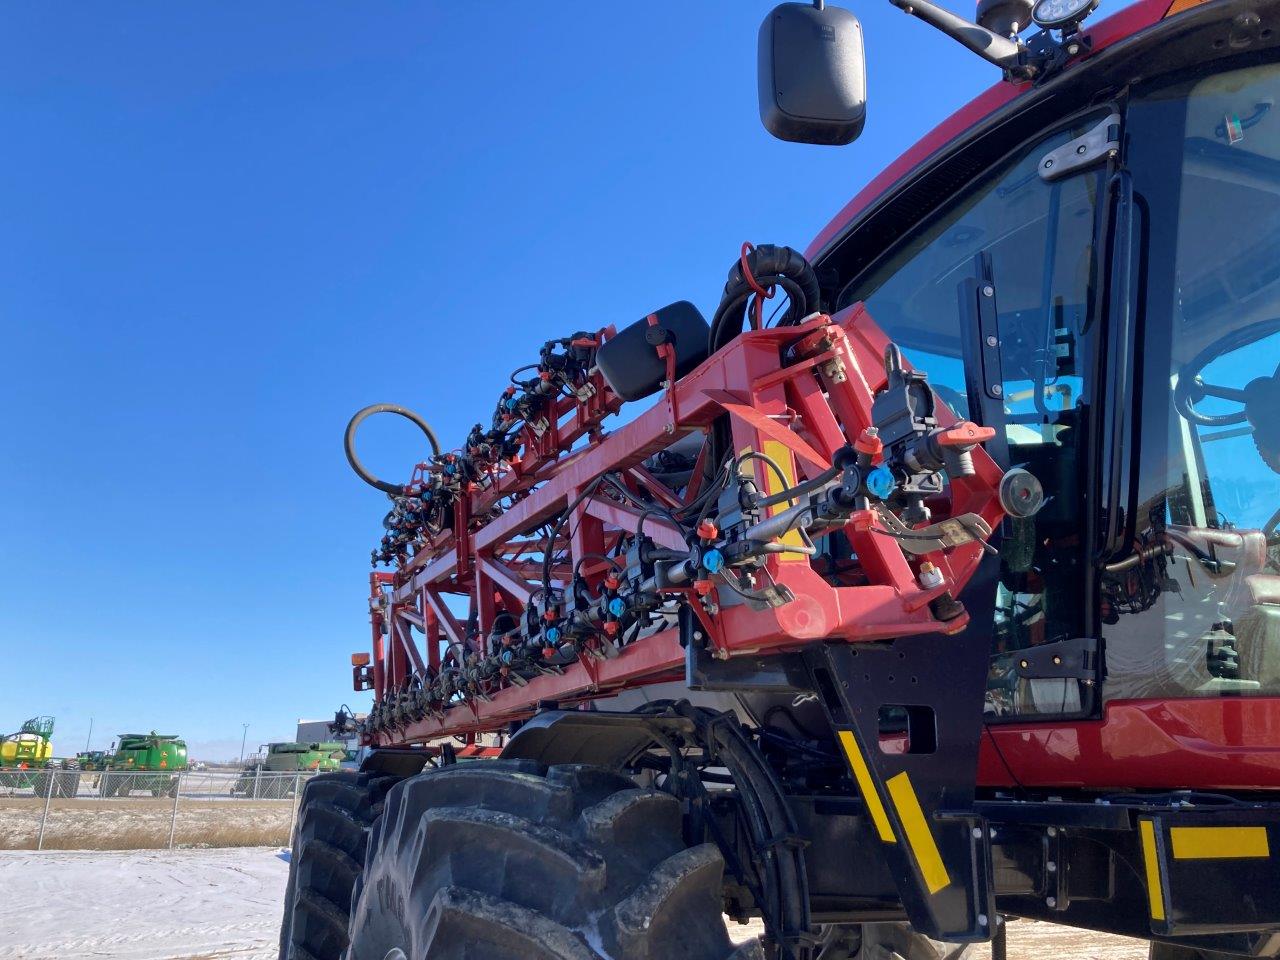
x: 801, y: 414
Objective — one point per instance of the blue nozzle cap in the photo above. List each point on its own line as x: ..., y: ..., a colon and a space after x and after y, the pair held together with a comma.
x: 511, y: 403
x: 880, y: 482
x: 713, y: 560
x: 553, y: 634
x: 506, y: 656
x: 617, y: 607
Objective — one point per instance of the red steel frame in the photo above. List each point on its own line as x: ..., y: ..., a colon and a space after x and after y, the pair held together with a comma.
x: 1208, y: 743
x: 802, y: 414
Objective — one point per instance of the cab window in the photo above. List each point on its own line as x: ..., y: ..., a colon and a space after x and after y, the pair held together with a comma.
x: 1035, y: 242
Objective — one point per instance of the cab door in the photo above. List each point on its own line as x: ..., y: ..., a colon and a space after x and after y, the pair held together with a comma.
x: 996, y: 297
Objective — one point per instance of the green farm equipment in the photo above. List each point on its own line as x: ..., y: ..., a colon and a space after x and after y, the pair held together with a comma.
x: 26, y: 760
x: 263, y: 776
x: 162, y: 755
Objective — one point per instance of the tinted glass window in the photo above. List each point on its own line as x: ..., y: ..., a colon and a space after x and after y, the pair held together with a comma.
x: 1038, y: 239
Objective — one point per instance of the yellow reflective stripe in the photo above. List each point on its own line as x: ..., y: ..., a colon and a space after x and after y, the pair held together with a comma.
x: 1219, y: 843
x: 867, y: 786
x: 1155, y: 895
x: 918, y: 833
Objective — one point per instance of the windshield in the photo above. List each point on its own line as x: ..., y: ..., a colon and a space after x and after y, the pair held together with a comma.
x: 1194, y: 606
x: 1027, y: 246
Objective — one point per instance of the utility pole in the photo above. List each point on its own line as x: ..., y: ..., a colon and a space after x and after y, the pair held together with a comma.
x: 242, y: 739
x: 89, y: 737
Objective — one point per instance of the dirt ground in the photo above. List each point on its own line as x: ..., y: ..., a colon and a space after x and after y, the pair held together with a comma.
x: 226, y: 905
x: 137, y: 824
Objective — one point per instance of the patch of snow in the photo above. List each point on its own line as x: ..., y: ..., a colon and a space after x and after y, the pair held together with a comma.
x: 142, y: 904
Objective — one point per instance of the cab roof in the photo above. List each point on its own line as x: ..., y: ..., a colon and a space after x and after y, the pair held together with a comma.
x: 1104, y: 33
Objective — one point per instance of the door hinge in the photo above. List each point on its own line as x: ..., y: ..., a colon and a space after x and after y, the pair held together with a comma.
x: 1077, y: 659
x: 1102, y: 142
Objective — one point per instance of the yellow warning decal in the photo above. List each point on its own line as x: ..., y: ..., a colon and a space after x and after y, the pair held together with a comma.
x: 1155, y: 895
x: 918, y: 833
x: 1219, y: 843
x: 867, y: 786
x: 780, y: 454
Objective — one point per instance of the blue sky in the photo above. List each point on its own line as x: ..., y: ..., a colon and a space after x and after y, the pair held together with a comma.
x: 227, y: 226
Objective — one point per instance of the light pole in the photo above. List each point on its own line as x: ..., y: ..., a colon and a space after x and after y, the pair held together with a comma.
x: 89, y: 737
x: 242, y: 739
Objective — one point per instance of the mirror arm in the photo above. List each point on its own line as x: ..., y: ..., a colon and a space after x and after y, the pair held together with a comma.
x: 1003, y: 52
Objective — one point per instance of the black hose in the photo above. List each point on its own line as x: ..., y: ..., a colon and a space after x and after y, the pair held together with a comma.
x: 349, y: 442
x: 771, y: 267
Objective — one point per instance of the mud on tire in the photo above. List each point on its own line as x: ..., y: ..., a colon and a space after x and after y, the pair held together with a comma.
x: 506, y: 860
x: 335, y: 815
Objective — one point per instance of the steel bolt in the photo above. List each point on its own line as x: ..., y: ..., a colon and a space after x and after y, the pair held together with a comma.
x: 1050, y: 902
x: 997, y: 390
x: 1052, y: 831
x: 982, y: 919
x: 988, y: 291
x: 669, y: 428
x: 992, y: 342
x: 977, y: 833
x: 1051, y: 867
x: 1073, y: 48
x: 1081, y: 149
x: 1048, y: 163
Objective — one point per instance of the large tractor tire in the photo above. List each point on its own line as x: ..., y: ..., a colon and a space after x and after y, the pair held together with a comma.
x: 506, y: 860
x: 335, y: 815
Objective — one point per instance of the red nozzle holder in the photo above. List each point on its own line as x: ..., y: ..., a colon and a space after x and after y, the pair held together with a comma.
x: 869, y: 443
x: 544, y: 375
x: 549, y: 652
x: 707, y: 530
x: 611, y: 582
x: 509, y: 392
x: 965, y: 434
x: 611, y: 627
x: 550, y: 616
x: 702, y: 587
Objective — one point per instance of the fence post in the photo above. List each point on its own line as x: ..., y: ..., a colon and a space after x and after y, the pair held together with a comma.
x: 44, y: 816
x: 293, y: 816
x: 173, y: 817
x: 257, y: 775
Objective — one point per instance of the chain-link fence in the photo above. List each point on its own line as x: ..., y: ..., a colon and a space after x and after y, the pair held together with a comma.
x: 60, y: 809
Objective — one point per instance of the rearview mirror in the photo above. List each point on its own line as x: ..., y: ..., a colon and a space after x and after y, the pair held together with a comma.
x: 812, y: 74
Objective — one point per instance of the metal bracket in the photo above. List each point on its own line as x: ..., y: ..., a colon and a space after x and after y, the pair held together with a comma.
x: 781, y: 674
x: 1076, y: 659
x: 1100, y: 143
x: 920, y: 802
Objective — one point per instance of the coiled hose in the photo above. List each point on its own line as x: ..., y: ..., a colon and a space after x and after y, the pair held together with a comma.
x: 349, y: 442
x: 770, y: 266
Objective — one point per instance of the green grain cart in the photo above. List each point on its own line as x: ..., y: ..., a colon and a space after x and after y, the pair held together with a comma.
x: 162, y: 755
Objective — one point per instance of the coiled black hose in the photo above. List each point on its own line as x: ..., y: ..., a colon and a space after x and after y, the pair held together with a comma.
x: 771, y: 267
x: 349, y: 442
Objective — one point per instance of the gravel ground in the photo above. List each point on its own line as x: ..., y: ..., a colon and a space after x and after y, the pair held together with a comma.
x: 224, y: 904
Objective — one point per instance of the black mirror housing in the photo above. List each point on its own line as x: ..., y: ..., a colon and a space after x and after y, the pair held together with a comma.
x: 812, y: 74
